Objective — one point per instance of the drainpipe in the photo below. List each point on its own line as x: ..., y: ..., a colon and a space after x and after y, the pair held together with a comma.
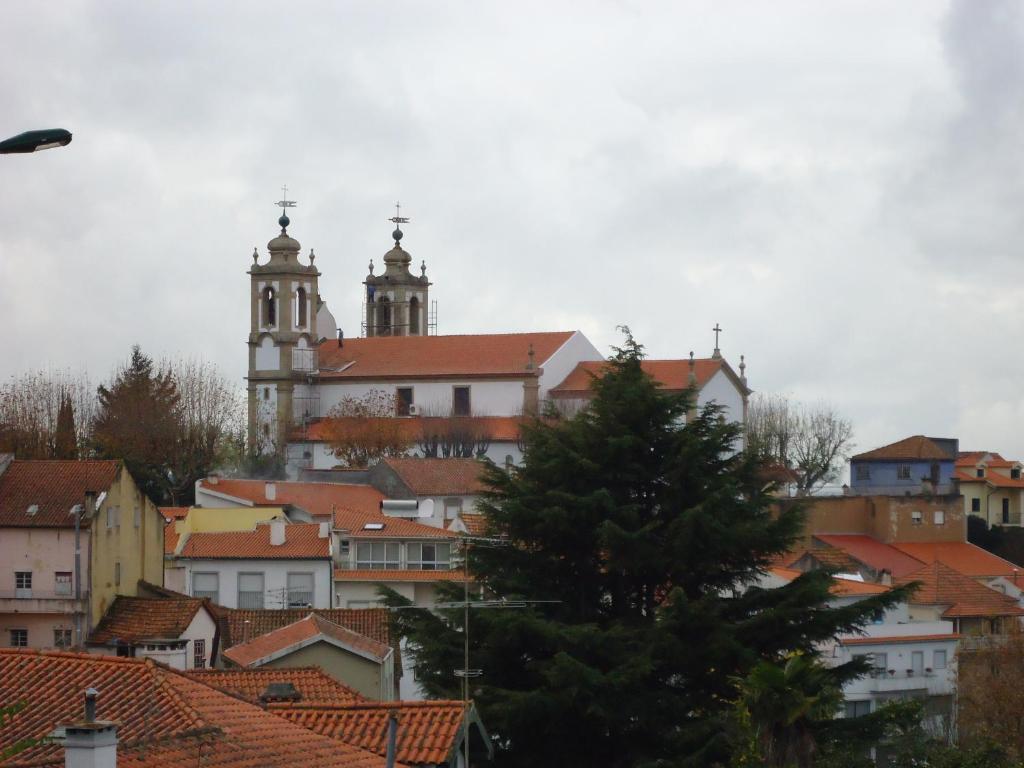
x: 89, y: 509
x: 392, y: 738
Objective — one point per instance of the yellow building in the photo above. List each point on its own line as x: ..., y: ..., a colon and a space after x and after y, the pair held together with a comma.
x: 991, y: 486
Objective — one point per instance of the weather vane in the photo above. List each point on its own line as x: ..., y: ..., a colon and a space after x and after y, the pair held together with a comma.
x: 284, y: 203
x: 398, y: 219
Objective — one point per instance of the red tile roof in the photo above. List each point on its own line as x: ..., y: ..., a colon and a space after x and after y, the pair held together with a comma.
x: 316, y: 498
x: 840, y: 587
x: 52, y: 488
x: 672, y: 375
x: 314, y: 685
x: 968, y: 559
x: 302, y: 542
x: 993, y: 479
x: 974, y: 458
x: 898, y: 639
x: 502, y: 429
x: 429, y: 577
x: 174, y: 513
x: 400, y: 527
x: 438, y: 477
x: 916, y: 447
x: 165, y: 718
x: 475, y: 524
x: 237, y: 625
x: 131, y: 619
x: 289, y: 638
x: 420, y: 357
x: 871, y: 552
x: 941, y: 585
x: 428, y: 731
x: 170, y: 538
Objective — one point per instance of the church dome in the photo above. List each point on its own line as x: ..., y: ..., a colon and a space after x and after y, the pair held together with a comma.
x: 284, y: 242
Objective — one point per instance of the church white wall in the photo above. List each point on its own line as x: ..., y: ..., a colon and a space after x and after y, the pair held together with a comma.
x: 487, y: 398
x: 324, y: 459
x: 268, y: 355
x: 722, y: 390
x: 577, y: 349
x: 326, y: 325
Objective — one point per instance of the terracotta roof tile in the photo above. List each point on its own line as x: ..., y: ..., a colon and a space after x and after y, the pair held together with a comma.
x: 916, y: 447
x: 673, y: 375
x: 835, y: 558
x: 314, y: 685
x: 132, y: 619
x: 284, y: 640
x: 502, y: 429
x: 418, y: 357
x: 302, y: 541
x: 428, y: 731
x: 962, y: 556
x: 840, y: 587
x: 174, y: 513
x: 170, y: 538
x: 429, y: 577
x: 871, y: 552
x: 974, y: 458
x: 40, y: 494
x: 355, y: 523
x: 993, y: 479
x: 237, y: 625
x: 316, y: 498
x: 475, y: 524
x: 439, y: 477
x: 897, y: 639
x: 963, y: 596
x: 163, y: 716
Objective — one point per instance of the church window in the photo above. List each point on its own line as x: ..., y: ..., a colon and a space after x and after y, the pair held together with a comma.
x: 300, y: 301
x: 414, y: 316
x: 269, y: 306
x: 384, y: 317
x: 460, y: 401
x: 266, y: 393
x: 403, y: 401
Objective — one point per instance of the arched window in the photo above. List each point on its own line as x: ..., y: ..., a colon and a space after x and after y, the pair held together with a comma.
x: 300, y: 301
x: 269, y: 306
x: 414, y: 316
x: 384, y: 317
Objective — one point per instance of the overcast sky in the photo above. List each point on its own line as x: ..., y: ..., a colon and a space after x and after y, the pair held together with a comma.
x: 838, y: 185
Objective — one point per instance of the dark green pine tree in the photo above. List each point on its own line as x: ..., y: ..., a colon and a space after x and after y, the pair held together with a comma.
x: 139, y: 421
x: 65, y: 439
x: 648, y: 534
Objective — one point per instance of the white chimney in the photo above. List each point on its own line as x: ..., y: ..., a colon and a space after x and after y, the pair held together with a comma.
x: 213, y: 478
x: 277, y: 533
x: 270, y: 491
x: 325, y: 530
x: 90, y: 743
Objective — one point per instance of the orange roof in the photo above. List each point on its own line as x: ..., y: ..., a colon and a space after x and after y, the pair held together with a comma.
x: 916, y: 447
x: 428, y: 731
x: 419, y: 357
x: 356, y: 574
x: 312, y: 683
x: 170, y: 538
x: 941, y: 585
x: 897, y: 639
x: 502, y: 429
x: 438, y: 477
x: 306, y: 631
x: 302, y: 542
x: 968, y: 559
x: 237, y: 624
x: 833, y: 558
x: 41, y: 494
x: 993, y: 479
x: 355, y: 523
x: 475, y: 523
x: 131, y: 619
x: 974, y: 458
x: 871, y: 552
x: 673, y: 375
x: 174, y: 513
x: 316, y: 498
x: 165, y: 718
x: 840, y: 587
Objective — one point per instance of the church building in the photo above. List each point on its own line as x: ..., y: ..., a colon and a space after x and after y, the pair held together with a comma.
x: 443, y: 396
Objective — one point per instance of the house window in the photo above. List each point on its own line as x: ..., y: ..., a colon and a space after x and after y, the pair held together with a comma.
x: 199, y: 654
x: 858, y: 708
x: 915, y: 518
x: 460, y: 401
x: 300, y: 306
x: 300, y: 590
x: 361, y: 604
x: 117, y: 573
x: 403, y: 401
x: 23, y: 583
x: 62, y: 583
x: 979, y: 472
x: 879, y: 663
x: 206, y: 585
x: 938, y: 659
x: 975, y: 505
x: 19, y: 638
x: 452, y: 508
x: 917, y: 662
x: 1006, y: 510
x: 137, y: 517
x: 939, y: 517
x: 62, y: 638
x: 428, y: 557
x: 113, y: 515
x: 863, y: 472
x: 378, y: 555
x: 903, y: 471
x: 1015, y: 473
x: 250, y: 591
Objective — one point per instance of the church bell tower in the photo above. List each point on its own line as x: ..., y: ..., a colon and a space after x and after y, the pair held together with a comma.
x: 283, y: 339
x: 397, y: 302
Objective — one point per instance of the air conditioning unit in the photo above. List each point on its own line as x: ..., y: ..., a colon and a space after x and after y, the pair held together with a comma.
x: 414, y: 410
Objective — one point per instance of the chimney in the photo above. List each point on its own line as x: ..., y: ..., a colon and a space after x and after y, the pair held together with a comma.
x: 5, y: 461
x: 213, y: 478
x: 277, y: 533
x: 341, y: 338
x: 270, y: 491
x: 90, y: 743
x: 285, y: 691
x: 325, y: 530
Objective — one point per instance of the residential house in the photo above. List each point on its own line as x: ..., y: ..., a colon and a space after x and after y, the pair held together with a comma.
x: 316, y: 500
x: 974, y: 609
x: 355, y: 660
x: 273, y: 565
x: 146, y: 715
x: 178, y: 631
x: 48, y: 599
x: 309, y: 685
x: 444, y: 489
x: 913, y: 465
x: 991, y: 486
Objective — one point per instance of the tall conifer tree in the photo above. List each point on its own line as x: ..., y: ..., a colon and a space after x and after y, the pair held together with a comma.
x: 647, y: 535
x: 65, y: 438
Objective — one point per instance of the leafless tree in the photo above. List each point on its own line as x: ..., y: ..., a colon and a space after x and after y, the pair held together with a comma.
x: 30, y: 405
x: 990, y: 697
x: 812, y: 440
x: 361, y: 430
x: 445, y: 435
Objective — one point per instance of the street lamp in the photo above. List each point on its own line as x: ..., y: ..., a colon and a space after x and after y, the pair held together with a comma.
x: 33, y: 141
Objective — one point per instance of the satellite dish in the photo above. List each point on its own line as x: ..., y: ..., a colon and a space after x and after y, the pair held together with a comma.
x: 426, y: 508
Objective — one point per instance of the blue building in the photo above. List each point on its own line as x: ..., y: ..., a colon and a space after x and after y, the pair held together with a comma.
x: 914, y: 465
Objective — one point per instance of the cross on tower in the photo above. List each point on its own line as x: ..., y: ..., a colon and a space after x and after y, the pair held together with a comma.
x: 398, y: 218
x: 717, y: 329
